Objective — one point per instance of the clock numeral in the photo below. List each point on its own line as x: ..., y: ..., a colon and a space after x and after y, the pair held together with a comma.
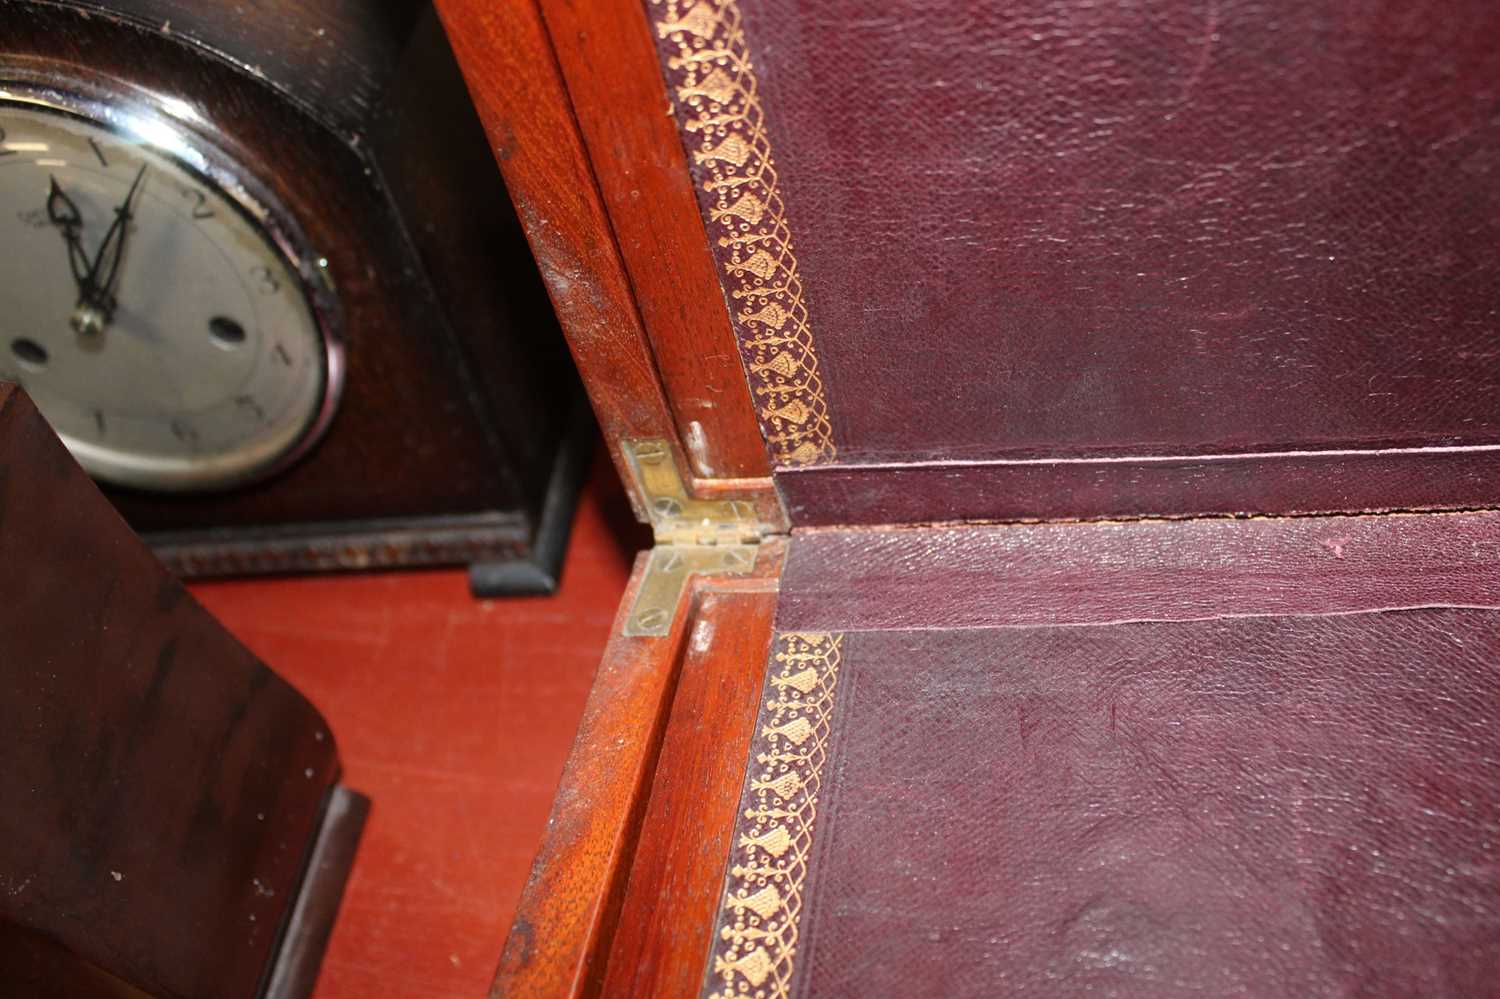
x: 247, y: 404
x: 266, y: 278
x: 34, y: 217
x: 185, y: 433
x: 280, y: 353
x: 99, y: 421
x: 98, y: 152
x: 199, y: 200
x: 5, y: 152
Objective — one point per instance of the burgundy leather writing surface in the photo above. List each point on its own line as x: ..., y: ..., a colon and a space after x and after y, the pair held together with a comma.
x: 1042, y: 229
x: 1266, y: 806
x: 998, y: 575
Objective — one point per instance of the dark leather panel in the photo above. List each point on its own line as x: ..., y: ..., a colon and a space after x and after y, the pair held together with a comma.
x: 1294, y: 806
x: 1041, y: 228
x: 1144, y: 570
x: 1272, y: 484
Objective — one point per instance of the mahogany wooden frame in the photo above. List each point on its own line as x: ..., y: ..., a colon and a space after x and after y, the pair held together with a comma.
x: 642, y: 819
x: 574, y: 103
x: 573, y: 100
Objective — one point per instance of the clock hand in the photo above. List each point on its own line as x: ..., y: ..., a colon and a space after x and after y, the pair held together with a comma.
x: 100, y: 294
x: 64, y: 214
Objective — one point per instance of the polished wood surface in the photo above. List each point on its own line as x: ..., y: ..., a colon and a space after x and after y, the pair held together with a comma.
x: 456, y: 716
x: 566, y: 922
x: 608, y: 60
x: 566, y: 913
x: 161, y: 787
x: 678, y: 866
x: 508, y: 58
x: 338, y: 66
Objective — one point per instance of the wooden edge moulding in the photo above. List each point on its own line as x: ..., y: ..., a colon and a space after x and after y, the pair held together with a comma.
x: 609, y: 848
x: 618, y: 238
x: 603, y: 191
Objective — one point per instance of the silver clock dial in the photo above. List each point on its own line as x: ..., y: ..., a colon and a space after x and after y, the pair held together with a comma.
x: 162, y: 331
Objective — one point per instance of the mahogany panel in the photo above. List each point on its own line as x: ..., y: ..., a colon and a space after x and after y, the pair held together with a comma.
x: 679, y: 865
x: 568, y: 914
x: 161, y: 785
x: 564, y: 911
x: 512, y: 74
x: 608, y: 60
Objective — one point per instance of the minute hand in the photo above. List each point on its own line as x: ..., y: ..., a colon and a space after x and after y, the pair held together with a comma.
x: 101, y: 294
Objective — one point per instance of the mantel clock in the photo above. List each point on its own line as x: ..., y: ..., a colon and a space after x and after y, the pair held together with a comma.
x: 264, y: 281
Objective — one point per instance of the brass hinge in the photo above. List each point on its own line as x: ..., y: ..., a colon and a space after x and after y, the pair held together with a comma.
x: 692, y: 536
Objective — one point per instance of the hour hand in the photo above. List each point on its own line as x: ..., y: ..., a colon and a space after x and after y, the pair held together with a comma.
x: 64, y: 214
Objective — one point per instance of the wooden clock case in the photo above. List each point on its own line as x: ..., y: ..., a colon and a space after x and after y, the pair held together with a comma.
x: 174, y: 822
x: 458, y: 439
x: 633, y: 891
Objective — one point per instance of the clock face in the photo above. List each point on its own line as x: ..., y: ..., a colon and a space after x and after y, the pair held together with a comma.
x: 169, y: 338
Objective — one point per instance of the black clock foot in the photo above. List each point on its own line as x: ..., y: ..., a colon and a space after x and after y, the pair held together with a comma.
x: 539, y: 573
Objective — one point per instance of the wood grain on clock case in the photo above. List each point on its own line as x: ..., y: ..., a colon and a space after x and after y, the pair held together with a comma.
x: 519, y: 88
x: 458, y: 390
x: 607, y: 852
x: 160, y: 787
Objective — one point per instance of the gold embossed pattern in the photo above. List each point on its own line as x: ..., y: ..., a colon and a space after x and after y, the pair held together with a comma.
x: 718, y: 109
x: 755, y: 940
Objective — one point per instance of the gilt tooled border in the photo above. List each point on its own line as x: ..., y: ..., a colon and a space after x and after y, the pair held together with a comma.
x: 755, y: 935
x: 718, y: 108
